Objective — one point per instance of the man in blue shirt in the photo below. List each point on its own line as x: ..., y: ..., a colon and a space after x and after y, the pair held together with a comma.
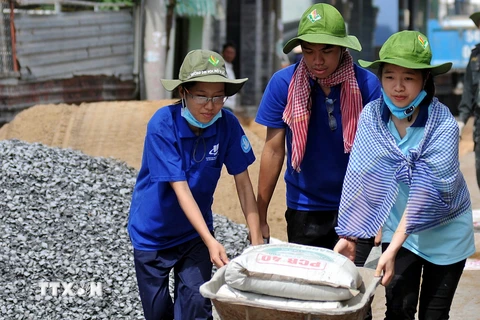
x: 313, y: 107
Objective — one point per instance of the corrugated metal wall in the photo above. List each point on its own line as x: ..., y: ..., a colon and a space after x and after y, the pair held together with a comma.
x: 70, y: 44
x: 70, y: 57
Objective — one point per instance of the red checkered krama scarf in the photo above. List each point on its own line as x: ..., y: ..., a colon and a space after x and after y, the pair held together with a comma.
x: 297, y: 112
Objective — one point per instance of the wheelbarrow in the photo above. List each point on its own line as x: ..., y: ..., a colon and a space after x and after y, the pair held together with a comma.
x: 243, y: 309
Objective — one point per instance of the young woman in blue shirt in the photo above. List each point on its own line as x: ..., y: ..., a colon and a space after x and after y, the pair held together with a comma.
x: 404, y: 178
x: 171, y: 222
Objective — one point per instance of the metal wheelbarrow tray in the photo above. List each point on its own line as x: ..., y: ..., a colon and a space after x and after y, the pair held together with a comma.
x: 240, y: 309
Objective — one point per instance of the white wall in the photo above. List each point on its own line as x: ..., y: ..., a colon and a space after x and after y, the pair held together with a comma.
x: 292, y: 10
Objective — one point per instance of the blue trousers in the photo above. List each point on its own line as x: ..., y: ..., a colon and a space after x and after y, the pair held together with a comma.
x: 436, y: 289
x: 192, y: 267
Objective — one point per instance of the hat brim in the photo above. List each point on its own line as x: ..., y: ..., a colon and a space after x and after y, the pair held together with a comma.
x: 232, y: 86
x: 348, y: 41
x: 435, y: 70
x: 475, y: 18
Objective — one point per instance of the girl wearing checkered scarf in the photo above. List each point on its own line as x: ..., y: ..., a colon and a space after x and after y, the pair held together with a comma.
x: 404, y: 179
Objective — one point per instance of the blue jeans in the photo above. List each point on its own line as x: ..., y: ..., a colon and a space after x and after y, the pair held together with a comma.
x: 192, y: 267
x: 436, y: 289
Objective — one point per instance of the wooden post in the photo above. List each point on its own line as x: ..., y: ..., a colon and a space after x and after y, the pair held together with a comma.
x: 12, y: 36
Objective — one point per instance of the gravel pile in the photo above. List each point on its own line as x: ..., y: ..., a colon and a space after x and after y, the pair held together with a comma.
x: 63, y: 224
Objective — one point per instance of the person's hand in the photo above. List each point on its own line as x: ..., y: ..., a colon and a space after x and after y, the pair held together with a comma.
x: 218, y: 256
x: 346, y: 248
x: 461, y: 125
x: 386, y: 264
x: 378, y: 238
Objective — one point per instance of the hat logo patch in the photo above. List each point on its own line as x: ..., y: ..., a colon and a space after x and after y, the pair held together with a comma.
x: 213, y: 61
x: 314, y: 16
x: 423, y: 42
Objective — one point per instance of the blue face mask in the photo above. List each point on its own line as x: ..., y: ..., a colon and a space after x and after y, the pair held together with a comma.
x: 194, y: 122
x: 402, y: 113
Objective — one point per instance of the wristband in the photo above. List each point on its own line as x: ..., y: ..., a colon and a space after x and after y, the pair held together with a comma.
x: 349, y: 239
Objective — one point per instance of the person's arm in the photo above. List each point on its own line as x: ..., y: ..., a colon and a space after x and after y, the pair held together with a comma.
x: 386, y: 263
x: 249, y: 206
x: 273, y: 156
x: 218, y: 256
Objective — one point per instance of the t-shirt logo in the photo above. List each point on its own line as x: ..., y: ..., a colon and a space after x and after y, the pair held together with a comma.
x: 214, y: 150
x: 212, y: 154
x: 246, y: 146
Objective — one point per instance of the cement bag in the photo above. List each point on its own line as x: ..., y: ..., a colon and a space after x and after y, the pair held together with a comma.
x: 294, y: 271
x: 226, y: 291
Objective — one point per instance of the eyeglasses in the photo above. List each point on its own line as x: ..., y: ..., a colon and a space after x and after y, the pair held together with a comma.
x: 195, y: 156
x: 332, y: 122
x: 201, y: 100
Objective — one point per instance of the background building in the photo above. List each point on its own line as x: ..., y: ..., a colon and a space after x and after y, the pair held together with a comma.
x: 75, y: 52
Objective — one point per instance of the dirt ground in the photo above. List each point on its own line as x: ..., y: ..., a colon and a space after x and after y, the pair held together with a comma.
x: 117, y: 129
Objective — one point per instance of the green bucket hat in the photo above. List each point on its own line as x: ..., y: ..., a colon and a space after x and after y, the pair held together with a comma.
x: 204, y: 66
x: 322, y: 23
x: 475, y: 18
x: 408, y: 49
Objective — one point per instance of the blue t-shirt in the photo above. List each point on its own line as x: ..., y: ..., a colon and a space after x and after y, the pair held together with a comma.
x: 172, y: 152
x: 442, y: 245
x: 319, y: 184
